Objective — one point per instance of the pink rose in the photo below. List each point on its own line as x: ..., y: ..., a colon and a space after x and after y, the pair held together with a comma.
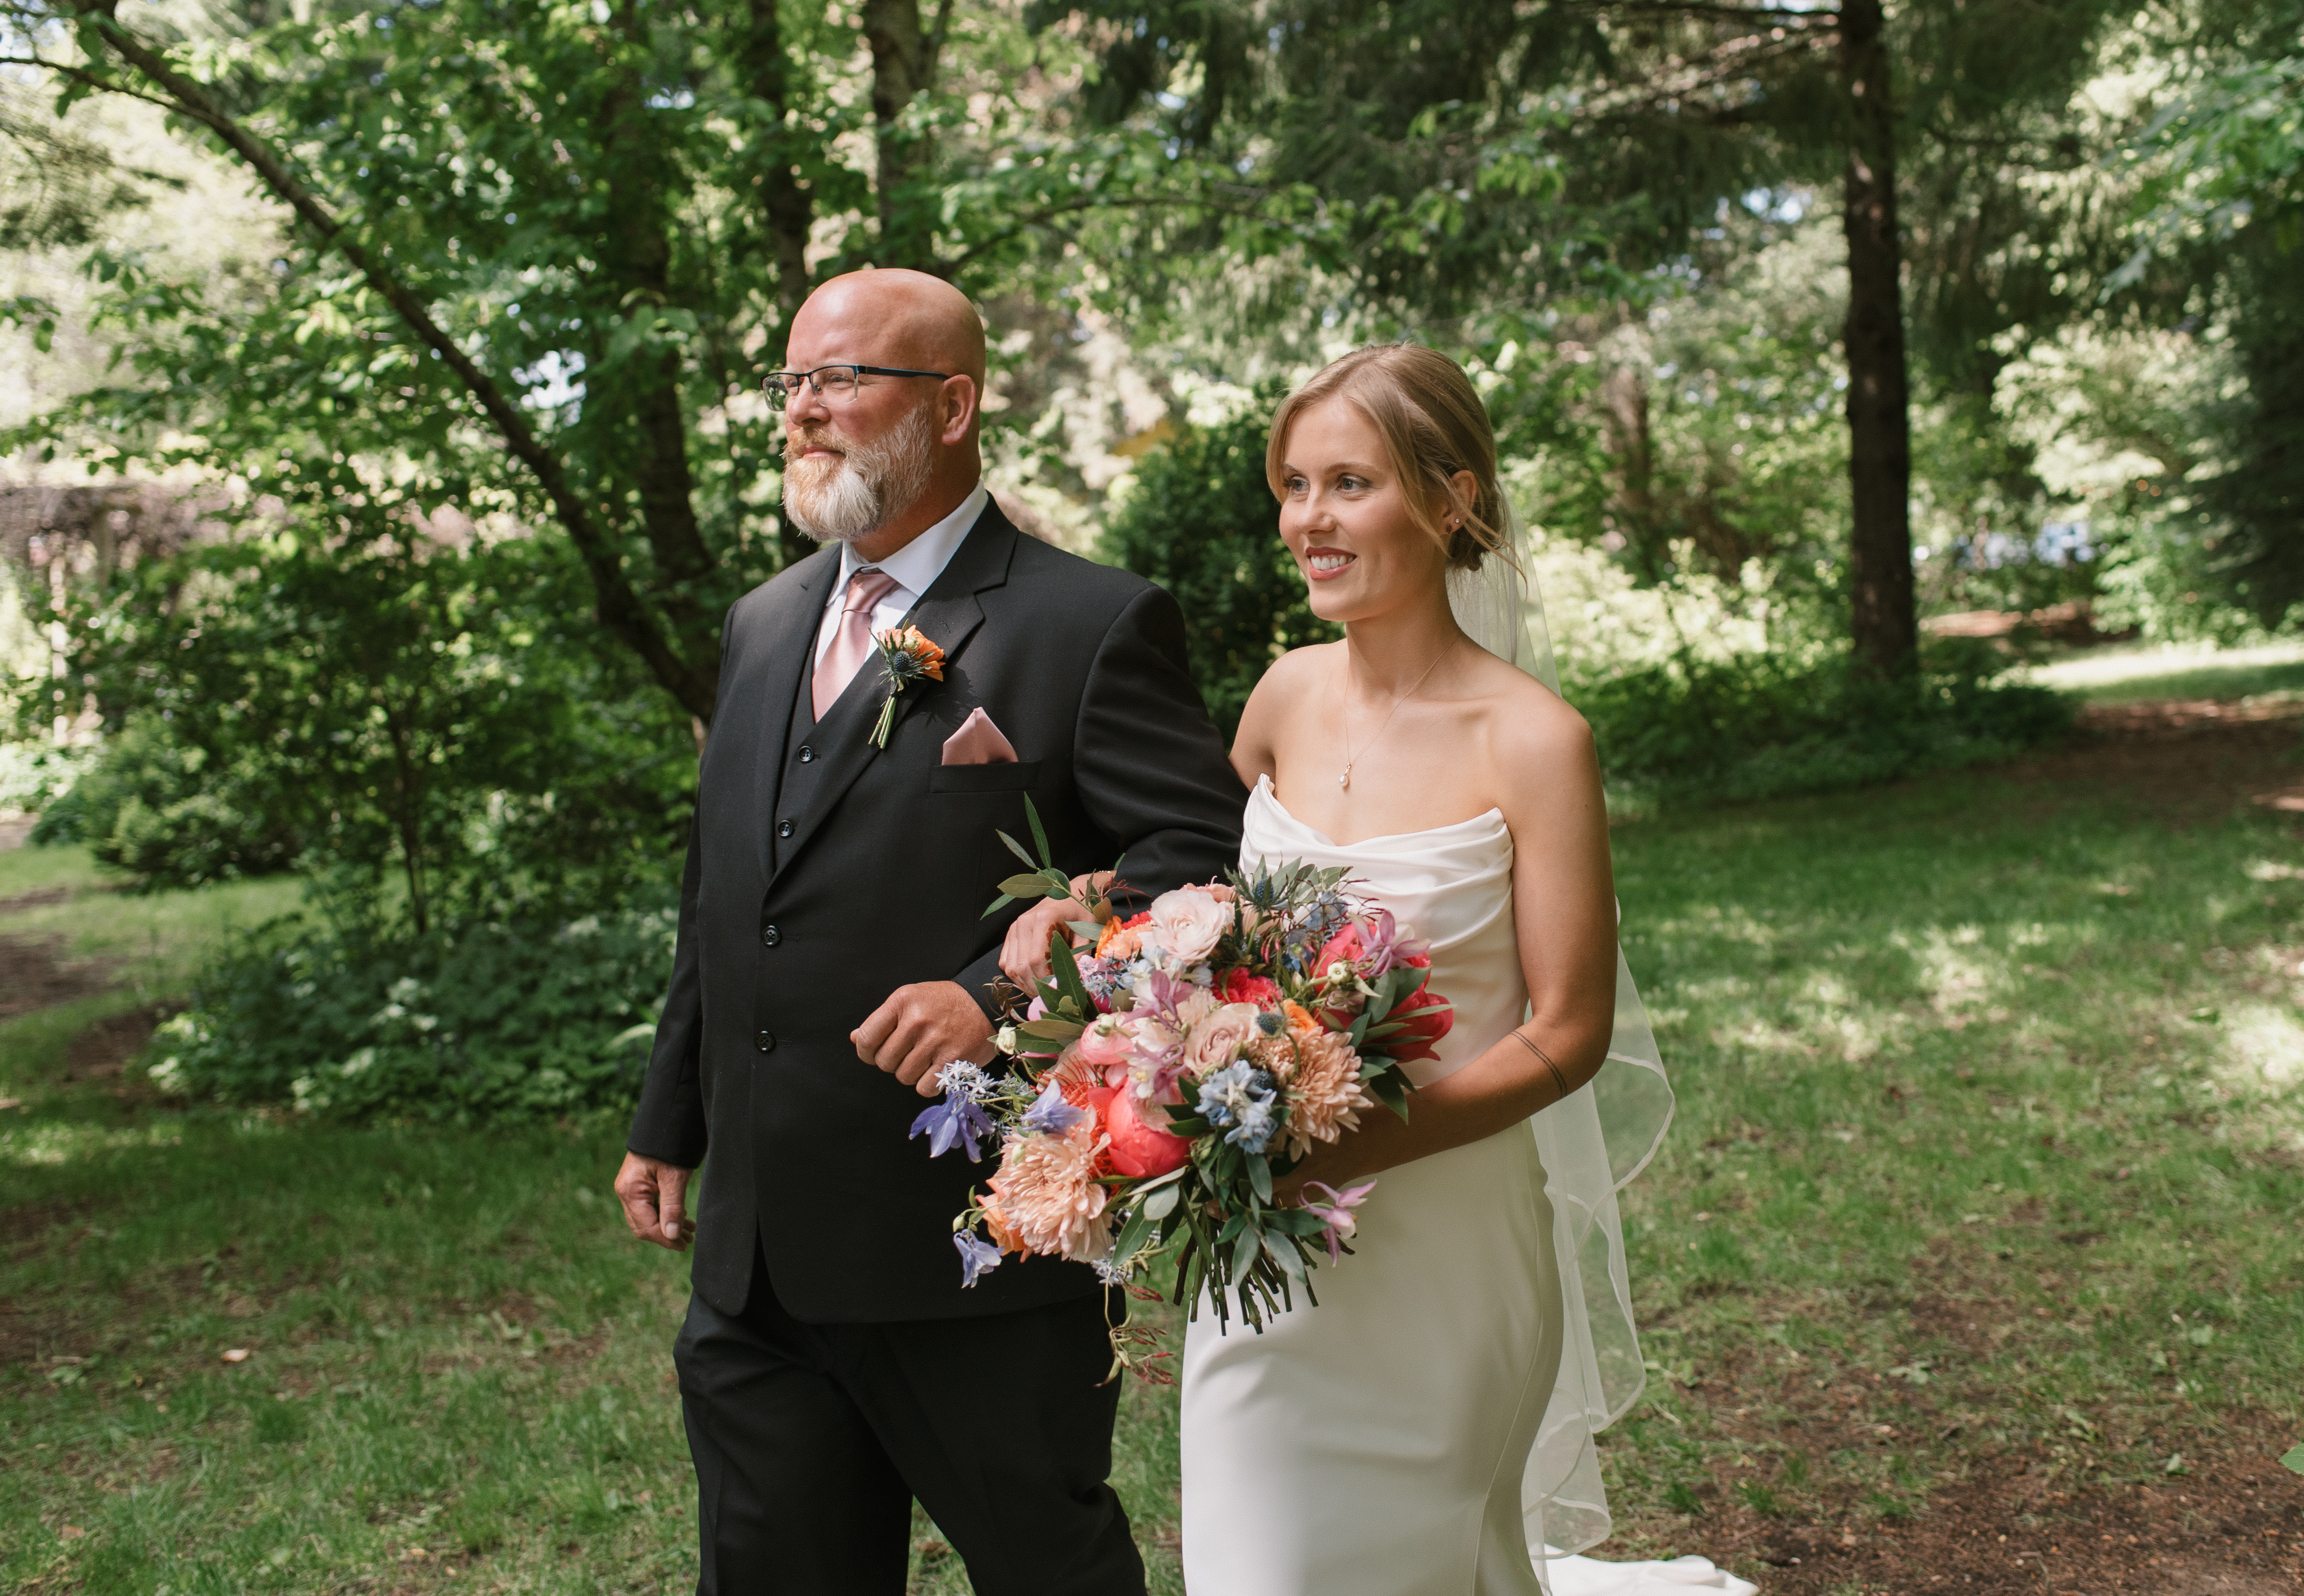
x: 1188, y: 923
x: 1221, y: 1038
x: 1137, y: 1149
x: 1105, y: 1043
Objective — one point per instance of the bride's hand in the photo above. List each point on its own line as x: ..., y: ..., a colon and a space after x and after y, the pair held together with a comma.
x: 1024, y: 955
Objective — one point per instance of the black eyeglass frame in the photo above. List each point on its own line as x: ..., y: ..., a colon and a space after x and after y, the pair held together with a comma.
x: 770, y: 385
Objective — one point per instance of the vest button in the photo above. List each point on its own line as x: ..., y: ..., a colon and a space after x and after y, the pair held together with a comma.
x: 784, y: 828
x: 770, y: 936
x: 766, y: 1042
x: 807, y: 753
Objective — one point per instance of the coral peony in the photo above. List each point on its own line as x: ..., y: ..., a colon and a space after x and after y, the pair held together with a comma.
x: 1109, y: 1041
x: 1047, y: 1198
x: 1189, y: 922
x: 1325, y: 1096
x: 1139, y: 1148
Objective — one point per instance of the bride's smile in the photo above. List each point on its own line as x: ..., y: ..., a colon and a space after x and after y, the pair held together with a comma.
x: 1348, y: 518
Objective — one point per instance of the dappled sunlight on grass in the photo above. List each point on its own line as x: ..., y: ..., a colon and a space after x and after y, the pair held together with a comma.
x: 2126, y: 675
x: 1964, y: 1145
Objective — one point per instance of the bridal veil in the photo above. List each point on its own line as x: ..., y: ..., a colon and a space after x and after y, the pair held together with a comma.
x: 1593, y: 1142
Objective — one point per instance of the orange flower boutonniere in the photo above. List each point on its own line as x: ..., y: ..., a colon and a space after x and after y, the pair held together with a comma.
x: 908, y: 657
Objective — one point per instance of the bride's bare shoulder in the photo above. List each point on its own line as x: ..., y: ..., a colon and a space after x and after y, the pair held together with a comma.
x: 1528, y: 725
x: 1296, y: 675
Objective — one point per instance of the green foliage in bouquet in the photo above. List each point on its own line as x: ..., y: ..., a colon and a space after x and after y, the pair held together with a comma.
x: 480, y: 1021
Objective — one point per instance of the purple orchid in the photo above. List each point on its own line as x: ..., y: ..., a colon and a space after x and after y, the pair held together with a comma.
x: 1386, y: 946
x: 978, y: 1257
x: 1050, y: 1115
x: 1336, y: 1215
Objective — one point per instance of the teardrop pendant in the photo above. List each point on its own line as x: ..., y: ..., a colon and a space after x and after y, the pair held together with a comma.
x: 1345, y: 780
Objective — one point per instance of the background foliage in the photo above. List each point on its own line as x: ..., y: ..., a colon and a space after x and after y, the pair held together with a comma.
x: 391, y: 443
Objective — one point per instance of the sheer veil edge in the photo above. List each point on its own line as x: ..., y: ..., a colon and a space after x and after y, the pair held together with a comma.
x: 1593, y: 1143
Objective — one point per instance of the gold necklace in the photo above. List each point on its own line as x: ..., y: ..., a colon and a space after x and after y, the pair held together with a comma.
x: 1345, y: 780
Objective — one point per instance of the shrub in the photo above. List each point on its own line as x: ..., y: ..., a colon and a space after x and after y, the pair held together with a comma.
x: 1755, y: 726
x: 483, y: 1019
x: 171, y: 813
x: 1202, y: 522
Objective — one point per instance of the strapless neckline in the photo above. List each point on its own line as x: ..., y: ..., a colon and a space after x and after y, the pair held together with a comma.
x: 1493, y: 819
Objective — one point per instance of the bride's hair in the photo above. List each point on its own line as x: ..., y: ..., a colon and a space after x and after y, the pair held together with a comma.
x: 1433, y: 425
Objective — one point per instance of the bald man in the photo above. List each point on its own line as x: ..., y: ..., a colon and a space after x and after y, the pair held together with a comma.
x: 833, y: 1367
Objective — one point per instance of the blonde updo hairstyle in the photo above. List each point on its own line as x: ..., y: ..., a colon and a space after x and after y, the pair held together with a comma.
x: 1433, y: 425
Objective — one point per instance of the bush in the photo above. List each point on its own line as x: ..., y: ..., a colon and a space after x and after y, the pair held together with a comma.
x: 1202, y: 522
x: 411, y: 711
x: 1754, y: 727
x: 480, y: 1019
x: 34, y: 774
x: 169, y: 811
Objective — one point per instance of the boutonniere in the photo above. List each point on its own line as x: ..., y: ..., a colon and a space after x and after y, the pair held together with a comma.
x: 908, y: 657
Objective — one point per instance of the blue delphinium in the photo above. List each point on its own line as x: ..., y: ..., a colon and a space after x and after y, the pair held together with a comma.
x: 978, y: 1257
x: 959, y: 1116
x: 1243, y: 1099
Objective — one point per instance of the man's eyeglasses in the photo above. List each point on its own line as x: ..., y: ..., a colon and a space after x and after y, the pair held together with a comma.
x: 836, y: 384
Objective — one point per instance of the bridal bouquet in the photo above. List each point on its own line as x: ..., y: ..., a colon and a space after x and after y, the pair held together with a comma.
x: 1166, y: 1076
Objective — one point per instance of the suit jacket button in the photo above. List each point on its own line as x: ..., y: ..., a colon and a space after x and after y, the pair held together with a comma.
x: 766, y: 1042
x: 807, y: 753
x: 784, y: 828
x: 770, y: 936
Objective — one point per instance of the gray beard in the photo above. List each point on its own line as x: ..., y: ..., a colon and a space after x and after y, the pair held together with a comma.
x: 872, y: 483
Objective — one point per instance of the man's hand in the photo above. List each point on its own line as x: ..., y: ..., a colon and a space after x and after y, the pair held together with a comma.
x: 921, y: 1026
x: 655, y: 1198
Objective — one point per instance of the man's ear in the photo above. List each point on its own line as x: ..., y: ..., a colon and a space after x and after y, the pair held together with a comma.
x: 960, y: 399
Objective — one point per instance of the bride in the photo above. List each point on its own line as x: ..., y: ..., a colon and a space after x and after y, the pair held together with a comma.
x: 1428, y: 1427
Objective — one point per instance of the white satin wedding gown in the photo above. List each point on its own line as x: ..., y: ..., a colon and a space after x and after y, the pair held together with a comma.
x: 1380, y: 1444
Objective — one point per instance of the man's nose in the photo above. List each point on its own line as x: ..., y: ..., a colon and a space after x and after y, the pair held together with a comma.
x: 806, y: 405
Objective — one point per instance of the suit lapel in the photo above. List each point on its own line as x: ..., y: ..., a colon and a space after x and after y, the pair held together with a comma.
x: 789, y: 625
x: 948, y: 615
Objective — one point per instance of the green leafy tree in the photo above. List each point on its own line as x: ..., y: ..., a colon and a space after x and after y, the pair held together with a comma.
x: 373, y: 707
x: 542, y: 249
x: 1478, y: 155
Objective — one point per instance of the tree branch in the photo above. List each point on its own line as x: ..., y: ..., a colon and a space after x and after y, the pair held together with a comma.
x: 619, y: 606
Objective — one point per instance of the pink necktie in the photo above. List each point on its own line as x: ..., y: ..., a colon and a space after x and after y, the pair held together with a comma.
x: 852, y: 644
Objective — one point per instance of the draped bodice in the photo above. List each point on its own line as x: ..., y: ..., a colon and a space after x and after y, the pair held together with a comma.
x: 1450, y: 886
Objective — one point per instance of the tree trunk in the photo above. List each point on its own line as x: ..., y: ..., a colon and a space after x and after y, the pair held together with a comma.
x: 1885, y: 623
x: 903, y: 68
x: 788, y: 210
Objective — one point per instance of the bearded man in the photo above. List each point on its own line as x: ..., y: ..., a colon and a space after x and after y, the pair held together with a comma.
x: 832, y: 1368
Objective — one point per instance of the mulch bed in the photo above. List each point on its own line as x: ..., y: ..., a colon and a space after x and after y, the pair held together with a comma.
x: 2192, y: 759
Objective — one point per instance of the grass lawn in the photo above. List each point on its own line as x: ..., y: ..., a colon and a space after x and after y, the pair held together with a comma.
x: 1981, y: 1213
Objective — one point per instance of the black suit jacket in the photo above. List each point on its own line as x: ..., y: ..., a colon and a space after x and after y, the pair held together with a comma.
x: 787, y: 943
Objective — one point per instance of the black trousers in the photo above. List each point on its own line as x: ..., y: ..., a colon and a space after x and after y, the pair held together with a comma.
x: 811, y: 1442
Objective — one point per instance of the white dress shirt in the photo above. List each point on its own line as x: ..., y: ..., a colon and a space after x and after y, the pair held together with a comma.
x: 915, y: 568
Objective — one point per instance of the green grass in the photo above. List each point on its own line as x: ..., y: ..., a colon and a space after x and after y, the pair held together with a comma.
x: 1988, y: 1135
x: 2126, y: 675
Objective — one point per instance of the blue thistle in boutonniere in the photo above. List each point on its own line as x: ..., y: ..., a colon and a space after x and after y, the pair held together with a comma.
x: 908, y: 657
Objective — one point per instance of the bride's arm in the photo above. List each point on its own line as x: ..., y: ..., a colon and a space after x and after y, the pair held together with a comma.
x: 1563, y: 909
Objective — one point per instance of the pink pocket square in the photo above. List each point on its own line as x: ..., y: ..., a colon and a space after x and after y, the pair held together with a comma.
x: 978, y: 743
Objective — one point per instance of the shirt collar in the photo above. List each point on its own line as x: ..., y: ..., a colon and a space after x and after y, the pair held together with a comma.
x: 918, y: 563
